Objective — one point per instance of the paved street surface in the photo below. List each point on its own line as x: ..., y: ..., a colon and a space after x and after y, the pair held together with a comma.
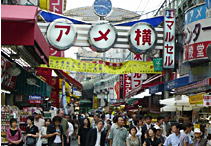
x: 74, y: 143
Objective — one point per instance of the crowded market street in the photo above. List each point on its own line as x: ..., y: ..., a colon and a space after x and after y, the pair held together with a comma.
x: 105, y: 73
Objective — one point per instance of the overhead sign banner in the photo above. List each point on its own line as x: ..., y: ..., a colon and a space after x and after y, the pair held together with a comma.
x: 113, y: 68
x: 56, y: 6
x: 142, y: 37
x: 169, y: 39
x: 127, y: 84
x: 197, y: 33
x: 102, y: 37
x: 61, y: 34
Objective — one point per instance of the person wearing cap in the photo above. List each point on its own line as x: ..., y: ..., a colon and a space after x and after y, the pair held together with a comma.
x: 159, y: 124
x: 198, y: 140
x: 38, y: 121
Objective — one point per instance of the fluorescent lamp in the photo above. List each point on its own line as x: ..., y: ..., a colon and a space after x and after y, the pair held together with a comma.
x: 4, y: 91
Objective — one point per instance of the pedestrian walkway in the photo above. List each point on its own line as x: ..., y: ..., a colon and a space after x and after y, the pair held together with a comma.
x: 74, y: 143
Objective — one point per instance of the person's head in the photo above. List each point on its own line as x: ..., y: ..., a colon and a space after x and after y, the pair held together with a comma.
x: 152, y: 132
x: 120, y: 121
x: 148, y: 119
x: 103, y: 117
x: 96, y: 117
x: 141, y: 120
x: 146, y: 135
x: 86, y: 122
x: 60, y: 113
x: 110, y: 111
x: 134, y: 117
x: 13, y: 122
x: 57, y: 120
x: 133, y: 131
x: 181, y: 120
x: 100, y: 124
x: 47, y: 122
x: 160, y: 120
x: 136, y: 122
x: 30, y: 120
x: 158, y: 130
x: 166, y: 119
x: 37, y: 114
x: 109, y: 123
x: 197, y: 133
x: 115, y: 119
x: 67, y: 117
x: 188, y: 127
x: 176, y: 127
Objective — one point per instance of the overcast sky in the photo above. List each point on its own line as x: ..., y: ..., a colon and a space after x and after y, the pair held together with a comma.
x: 139, y: 6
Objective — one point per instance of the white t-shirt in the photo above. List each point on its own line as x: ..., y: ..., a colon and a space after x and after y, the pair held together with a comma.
x: 58, y: 138
x: 43, y: 133
x: 40, y: 123
x: 71, y: 129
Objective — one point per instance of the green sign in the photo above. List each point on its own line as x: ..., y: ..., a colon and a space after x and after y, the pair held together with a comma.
x: 158, y: 64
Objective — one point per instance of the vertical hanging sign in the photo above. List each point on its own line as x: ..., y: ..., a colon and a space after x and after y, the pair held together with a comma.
x: 169, y: 39
x: 64, y: 100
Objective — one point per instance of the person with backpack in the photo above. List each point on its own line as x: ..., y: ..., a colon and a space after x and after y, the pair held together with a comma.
x: 14, y: 135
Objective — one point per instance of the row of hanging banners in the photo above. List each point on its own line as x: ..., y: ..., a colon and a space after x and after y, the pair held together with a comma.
x: 142, y: 37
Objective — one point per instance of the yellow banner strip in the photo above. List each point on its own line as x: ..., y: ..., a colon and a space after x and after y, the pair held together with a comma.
x: 80, y: 66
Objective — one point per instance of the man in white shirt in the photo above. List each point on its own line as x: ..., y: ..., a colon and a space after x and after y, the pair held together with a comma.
x: 96, y: 136
x: 38, y: 121
x: 71, y: 129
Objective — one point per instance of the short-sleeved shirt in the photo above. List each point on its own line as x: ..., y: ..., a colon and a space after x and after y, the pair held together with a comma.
x: 118, y: 135
x: 185, y: 138
x: 40, y: 123
x: 65, y: 126
x: 83, y: 132
x: 33, y: 130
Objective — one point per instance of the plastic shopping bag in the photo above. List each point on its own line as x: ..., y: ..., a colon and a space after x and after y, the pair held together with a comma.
x: 39, y: 141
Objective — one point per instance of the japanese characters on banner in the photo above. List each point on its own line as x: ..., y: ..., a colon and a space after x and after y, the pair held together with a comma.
x: 136, y: 77
x: 197, y: 33
x: 169, y: 39
x: 142, y: 37
x: 61, y: 34
x: 207, y: 100
x: 102, y: 67
x: 127, y: 84
x: 102, y: 37
x: 56, y: 6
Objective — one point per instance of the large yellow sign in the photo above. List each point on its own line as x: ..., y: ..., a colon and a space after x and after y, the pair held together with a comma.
x: 197, y: 99
x: 110, y: 68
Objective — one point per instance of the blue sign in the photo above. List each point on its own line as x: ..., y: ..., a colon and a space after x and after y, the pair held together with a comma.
x: 195, y: 14
x: 156, y: 89
x: 177, y: 83
x: 35, y: 97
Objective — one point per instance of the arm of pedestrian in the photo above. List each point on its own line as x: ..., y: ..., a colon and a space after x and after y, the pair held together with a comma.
x: 62, y: 140
x: 36, y: 135
x: 79, y: 143
x: 111, y: 141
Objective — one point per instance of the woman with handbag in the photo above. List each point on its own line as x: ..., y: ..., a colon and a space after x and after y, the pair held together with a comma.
x: 14, y: 135
x: 32, y: 132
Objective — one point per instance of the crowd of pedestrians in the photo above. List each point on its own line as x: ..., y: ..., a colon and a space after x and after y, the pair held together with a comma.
x: 104, y: 130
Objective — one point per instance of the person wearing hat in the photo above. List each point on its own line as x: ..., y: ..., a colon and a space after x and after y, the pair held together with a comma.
x: 198, y: 140
x: 38, y: 121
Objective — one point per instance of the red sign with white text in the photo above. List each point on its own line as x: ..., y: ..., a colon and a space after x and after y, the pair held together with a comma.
x: 55, y: 92
x: 136, y: 77
x: 127, y: 84
x: 196, y: 51
x: 56, y: 6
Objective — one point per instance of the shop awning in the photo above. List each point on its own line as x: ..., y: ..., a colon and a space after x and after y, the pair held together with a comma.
x: 18, y: 13
x: 177, y: 83
x: 19, y: 27
x: 156, y: 89
x: 36, y: 87
x: 69, y: 79
x: 142, y: 94
x: 131, y: 100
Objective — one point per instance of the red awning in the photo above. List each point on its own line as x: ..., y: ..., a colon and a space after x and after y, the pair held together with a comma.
x: 19, y: 27
x: 69, y: 79
x: 18, y: 13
